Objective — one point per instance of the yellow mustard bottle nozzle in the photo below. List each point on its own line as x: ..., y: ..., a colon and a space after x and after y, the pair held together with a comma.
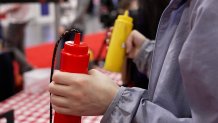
x: 125, y: 17
x: 126, y: 13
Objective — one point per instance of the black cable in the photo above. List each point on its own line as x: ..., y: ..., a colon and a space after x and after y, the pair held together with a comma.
x: 66, y: 33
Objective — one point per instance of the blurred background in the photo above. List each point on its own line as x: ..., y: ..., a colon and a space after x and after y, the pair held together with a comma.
x: 45, y: 18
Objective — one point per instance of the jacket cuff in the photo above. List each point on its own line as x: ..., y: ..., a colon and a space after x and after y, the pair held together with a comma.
x: 114, y: 103
x: 143, y: 58
x: 123, y: 105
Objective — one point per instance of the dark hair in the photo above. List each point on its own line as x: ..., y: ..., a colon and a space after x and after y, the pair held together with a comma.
x: 149, y: 14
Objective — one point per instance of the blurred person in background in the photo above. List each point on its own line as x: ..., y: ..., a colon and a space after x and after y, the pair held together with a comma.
x: 108, y: 13
x: 110, y: 9
x: 72, y: 14
x: 18, y: 16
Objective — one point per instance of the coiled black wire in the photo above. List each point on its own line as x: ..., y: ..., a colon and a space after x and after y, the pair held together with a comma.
x: 65, y: 34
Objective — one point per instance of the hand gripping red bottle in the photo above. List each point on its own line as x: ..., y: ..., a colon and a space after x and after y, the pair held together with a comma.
x: 74, y: 59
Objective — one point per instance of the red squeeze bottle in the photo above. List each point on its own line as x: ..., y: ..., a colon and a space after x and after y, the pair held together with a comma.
x: 74, y: 59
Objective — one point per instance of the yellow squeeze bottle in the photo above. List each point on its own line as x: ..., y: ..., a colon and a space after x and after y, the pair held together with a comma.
x: 116, y: 51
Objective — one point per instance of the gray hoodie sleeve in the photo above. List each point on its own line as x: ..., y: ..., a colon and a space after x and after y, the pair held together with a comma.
x: 131, y: 106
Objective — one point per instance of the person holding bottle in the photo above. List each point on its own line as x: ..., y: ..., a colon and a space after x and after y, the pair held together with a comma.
x: 183, y: 78
x: 73, y: 14
x: 18, y: 16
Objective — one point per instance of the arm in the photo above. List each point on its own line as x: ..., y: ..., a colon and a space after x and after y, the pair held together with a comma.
x: 10, y: 8
x: 81, y: 9
x: 140, y: 49
x: 131, y: 106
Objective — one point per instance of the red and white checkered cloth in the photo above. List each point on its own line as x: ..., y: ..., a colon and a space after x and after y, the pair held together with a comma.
x: 34, y: 107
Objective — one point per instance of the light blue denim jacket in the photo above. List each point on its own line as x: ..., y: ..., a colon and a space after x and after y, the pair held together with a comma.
x: 183, y: 84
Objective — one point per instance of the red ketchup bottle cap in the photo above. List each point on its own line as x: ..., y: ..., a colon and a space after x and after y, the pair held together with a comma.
x: 74, y: 56
x: 76, y: 47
